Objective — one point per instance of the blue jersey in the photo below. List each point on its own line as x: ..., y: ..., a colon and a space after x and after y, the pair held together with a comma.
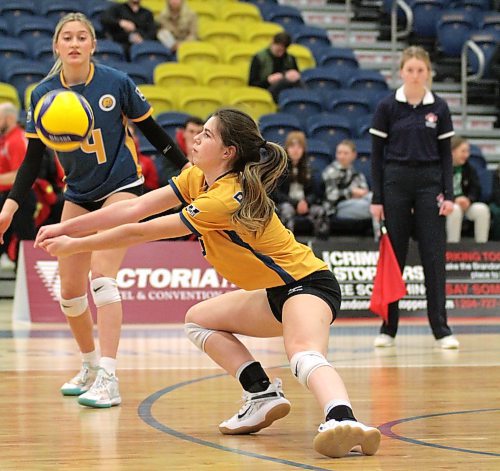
x: 107, y: 161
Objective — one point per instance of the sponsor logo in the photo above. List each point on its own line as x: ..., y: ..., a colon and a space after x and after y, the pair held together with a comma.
x: 238, y: 197
x: 297, y: 289
x: 431, y: 120
x: 240, y: 416
x: 107, y: 102
x: 192, y: 210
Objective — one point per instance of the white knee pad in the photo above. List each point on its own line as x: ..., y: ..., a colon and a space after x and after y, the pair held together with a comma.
x: 105, y: 291
x: 74, y: 307
x: 303, y: 364
x: 197, y: 334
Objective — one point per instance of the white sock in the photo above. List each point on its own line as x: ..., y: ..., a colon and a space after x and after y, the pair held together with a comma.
x: 91, y: 357
x: 335, y: 403
x: 108, y: 364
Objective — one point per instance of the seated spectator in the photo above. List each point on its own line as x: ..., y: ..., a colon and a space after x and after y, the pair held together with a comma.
x: 347, y: 195
x: 185, y: 136
x: 274, y: 69
x: 12, y: 151
x: 467, y: 190
x: 495, y: 206
x: 177, y: 24
x: 128, y: 23
x: 296, y: 196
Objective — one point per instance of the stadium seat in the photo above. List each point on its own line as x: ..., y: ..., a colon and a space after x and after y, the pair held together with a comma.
x: 276, y: 126
x: 338, y: 56
x: 26, y: 27
x: 13, y: 48
x: 487, y: 41
x: 321, y: 78
x: 94, y: 8
x: 425, y: 17
x: 367, y: 79
x: 9, y: 93
x: 261, y: 33
x: 156, y: 6
x: 108, y: 50
x: 204, y: 10
x: 239, y: 12
x: 198, y: 52
x: 224, y: 75
x: 160, y: 98
x: 320, y: 154
x: 137, y: 72
x: 12, y: 9
x: 486, y: 183
x: 219, y: 33
x: 363, y: 125
x: 175, y: 74
x: 240, y: 53
x: 287, y: 16
x: 363, y: 165
x: 149, y: 53
x: 171, y: 121
x: 351, y: 105
x: 453, y: 29
x: 4, y: 27
x: 55, y: 9
x: 300, y: 102
x: 490, y: 21
x: 476, y: 157
x: 363, y: 147
x: 252, y: 100
x: 310, y: 35
x: 200, y: 101
x: 303, y: 56
x: 328, y: 127
x: 22, y: 73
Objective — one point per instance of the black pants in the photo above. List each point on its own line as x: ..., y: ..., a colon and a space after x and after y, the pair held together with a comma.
x: 410, y: 201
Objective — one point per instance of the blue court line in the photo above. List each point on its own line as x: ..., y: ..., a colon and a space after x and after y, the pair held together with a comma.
x: 144, y: 411
x: 386, y: 429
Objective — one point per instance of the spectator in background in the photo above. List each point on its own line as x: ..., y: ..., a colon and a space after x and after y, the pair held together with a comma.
x: 347, y: 195
x: 495, y: 206
x: 273, y: 68
x: 467, y: 190
x: 295, y: 194
x: 177, y: 23
x: 12, y: 150
x: 185, y: 136
x: 128, y: 23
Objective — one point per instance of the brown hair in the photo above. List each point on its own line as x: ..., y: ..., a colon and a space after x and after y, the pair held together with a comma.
x: 419, y: 53
x: 457, y: 141
x: 259, y: 164
x: 348, y: 143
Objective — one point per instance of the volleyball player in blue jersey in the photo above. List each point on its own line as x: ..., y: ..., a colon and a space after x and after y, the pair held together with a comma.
x: 103, y: 171
x: 285, y: 289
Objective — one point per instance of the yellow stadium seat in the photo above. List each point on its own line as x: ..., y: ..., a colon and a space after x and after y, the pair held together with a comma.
x: 198, y: 52
x: 160, y: 98
x: 240, y: 53
x: 204, y: 10
x: 219, y: 32
x: 261, y: 33
x: 240, y: 13
x: 252, y: 100
x: 224, y: 75
x: 175, y: 74
x: 9, y: 93
x: 156, y: 6
x: 303, y: 55
x: 200, y: 101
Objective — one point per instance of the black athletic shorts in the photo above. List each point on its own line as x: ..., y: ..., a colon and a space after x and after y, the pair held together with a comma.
x: 95, y: 205
x: 320, y: 283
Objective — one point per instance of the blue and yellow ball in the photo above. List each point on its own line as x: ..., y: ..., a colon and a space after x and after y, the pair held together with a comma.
x: 63, y: 120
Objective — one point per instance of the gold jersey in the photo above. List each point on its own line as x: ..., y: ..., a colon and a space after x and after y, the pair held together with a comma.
x: 272, y: 258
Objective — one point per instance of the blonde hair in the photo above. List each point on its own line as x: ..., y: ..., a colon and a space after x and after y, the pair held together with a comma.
x: 56, y: 68
x: 417, y: 52
x: 348, y: 143
x: 457, y: 141
x: 258, y: 163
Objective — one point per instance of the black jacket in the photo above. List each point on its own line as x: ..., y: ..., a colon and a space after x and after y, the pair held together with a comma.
x: 471, y: 187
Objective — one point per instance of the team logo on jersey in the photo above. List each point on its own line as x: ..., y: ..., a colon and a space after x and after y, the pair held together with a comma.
x: 107, y: 102
x: 192, y: 210
x: 141, y: 96
x: 238, y: 197
x: 431, y: 120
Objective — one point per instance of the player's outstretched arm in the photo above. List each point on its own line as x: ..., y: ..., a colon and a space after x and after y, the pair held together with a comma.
x: 121, y: 212
x: 165, y: 227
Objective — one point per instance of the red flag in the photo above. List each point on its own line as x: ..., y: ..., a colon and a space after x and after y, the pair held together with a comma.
x: 389, y: 285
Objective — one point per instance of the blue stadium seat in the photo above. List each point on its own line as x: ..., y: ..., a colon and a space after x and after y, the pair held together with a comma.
x: 138, y: 73
x: 363, y: 125
x: 338, y: 56
x: 27, y: 27
x: 310, y: 35
x: 476, y: 157
x: 40, y: 49
x: 287, y: 16
x: 351, y: 105
x: 107, y: 50
x: 363, y: 165
x: 320, y: 156
x: 453, y: 29
x: 363, y: 147
x: 299, y: 102
x: 487, y: 41
x: 364, y: 79
x: 170, y: 121
x: 329, y: 127
x: 486, y: 182
x: 12, y: 9
x: 276, y: 126
x: 425, y: 17
x: 13, y: 48
x: 56, y: 9
x: 150, y: 53
x: 490, y: 21
x: 94, y: 8
x: 321, y: 78
x: 22, y: 73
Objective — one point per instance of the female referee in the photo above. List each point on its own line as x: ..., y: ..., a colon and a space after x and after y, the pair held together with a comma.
x: 412, y: 184
x: 103, y: 171
x: 285, y: 291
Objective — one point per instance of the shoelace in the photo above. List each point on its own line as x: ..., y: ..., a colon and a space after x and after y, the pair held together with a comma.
x: 100, y: 383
